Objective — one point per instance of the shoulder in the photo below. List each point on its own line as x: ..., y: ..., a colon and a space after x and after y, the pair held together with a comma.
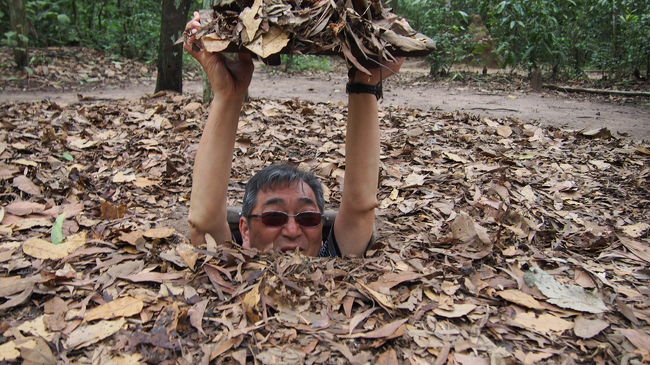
x: 330, y: 247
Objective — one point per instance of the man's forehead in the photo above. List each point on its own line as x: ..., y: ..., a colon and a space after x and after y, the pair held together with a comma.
x: 277, y: 194
x: 278, y: 200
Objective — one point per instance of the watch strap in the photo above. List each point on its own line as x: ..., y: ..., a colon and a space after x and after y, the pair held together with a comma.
x: 359, y: 88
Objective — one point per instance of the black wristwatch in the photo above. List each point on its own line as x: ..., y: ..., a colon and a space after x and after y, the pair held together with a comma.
x: 359, y: 88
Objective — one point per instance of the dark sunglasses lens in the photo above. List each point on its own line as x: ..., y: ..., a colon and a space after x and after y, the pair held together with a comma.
x: 275, y: 219
x: 308, y: 219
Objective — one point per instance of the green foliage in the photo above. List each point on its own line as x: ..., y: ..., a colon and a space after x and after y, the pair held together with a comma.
x: 302, y: 63
x: 126, y: 28
x: 447, y: 23
x: 57, y: 230
x: 13, y: 39
x: 562, y: 35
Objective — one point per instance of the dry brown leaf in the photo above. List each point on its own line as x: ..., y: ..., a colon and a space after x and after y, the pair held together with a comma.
x: 250, y: 301
x: 639, y: 249
x: 45, y: 250
x: 269, y: 43
x: 24, y: 208
x: 222, y: 347
x: 389, y: 280
x: 14, y: 284
x: 588, y: 328
x: 188, y: 254
x: 88, y: 334
x: 36, y: 351
x: 28, y: 223
x: 8, y: 351
x: 159, y: 233
x: 35, y: 327
x: 196, y: 315
x: 112, y: 211
x: 18, y: 299
x: 521, y: 298
x: 121, y: 307
x: 638, y: 338
x: 464, y: 229
x: 459, y: 310
x: 530, y: 358
x: 389, y: 357
x: 358, y: 318
x: 386, y: 330
x: 250, y: 20
x: 470, y: 359
x: 156, y: 277
x: 281, y: 355
x: 545, y: 323
x: 120, y: 177
x: 24, y: 184
x: 504, y: 131
x: 143, y: 182
x: 214, y: 44
x: 132, y: 238
x: 454, y: 157
x: 193, y: 106
x: 635, y: 230
x: 414, y: 180
x: 383, y: 299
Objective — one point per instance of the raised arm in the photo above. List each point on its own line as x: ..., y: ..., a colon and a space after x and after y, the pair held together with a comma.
x: 229, y: 80
x: 356, y: 218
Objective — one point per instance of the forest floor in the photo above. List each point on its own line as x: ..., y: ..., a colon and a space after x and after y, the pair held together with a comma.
x: 502, y: 238
x: 497, y: 95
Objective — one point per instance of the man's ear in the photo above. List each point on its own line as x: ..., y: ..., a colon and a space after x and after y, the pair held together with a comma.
x: 245, y: 233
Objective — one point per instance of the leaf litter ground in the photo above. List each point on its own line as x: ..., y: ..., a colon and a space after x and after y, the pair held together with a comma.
x: 498, y: 242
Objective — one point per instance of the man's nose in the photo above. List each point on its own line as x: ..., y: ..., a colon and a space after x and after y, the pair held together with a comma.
x: 292, y: 228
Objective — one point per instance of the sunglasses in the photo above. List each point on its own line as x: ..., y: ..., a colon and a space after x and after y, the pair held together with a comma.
x: 279, y: 219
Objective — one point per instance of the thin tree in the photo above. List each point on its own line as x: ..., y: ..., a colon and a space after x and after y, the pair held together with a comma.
x: 170, y: 56
x: 19, y: 27
x: 207, y: 89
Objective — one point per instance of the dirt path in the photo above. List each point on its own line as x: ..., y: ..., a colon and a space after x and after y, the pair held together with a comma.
x: 548, y: 109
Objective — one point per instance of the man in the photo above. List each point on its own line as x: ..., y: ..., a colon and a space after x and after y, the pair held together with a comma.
x: 282, y: 206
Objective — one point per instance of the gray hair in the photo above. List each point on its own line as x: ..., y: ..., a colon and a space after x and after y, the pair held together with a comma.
x: 279, y: 175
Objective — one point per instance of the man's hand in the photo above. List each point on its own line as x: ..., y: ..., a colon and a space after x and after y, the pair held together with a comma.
x: 228, y: 78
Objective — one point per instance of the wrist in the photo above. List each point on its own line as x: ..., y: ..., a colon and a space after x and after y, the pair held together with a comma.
x: 227, y: 108
x: 361, y: 88
x: 228, y: 100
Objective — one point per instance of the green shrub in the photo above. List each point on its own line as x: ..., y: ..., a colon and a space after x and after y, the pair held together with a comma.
x: 302, y: 63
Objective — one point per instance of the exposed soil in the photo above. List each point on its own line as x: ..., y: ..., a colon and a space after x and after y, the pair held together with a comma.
x: 495, y: 99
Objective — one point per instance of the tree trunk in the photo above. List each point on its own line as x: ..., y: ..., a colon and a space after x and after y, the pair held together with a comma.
x: 19, y: 25
x: 170, y: 56
x: 207, y: 89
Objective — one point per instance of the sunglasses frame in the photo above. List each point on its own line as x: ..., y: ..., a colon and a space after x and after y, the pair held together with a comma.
x: 287, y: 216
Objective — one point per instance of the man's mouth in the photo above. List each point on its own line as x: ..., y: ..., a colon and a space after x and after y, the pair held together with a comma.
x: 290, y: 247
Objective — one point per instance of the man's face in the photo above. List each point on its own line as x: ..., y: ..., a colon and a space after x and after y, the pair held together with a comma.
x: 291, y: 199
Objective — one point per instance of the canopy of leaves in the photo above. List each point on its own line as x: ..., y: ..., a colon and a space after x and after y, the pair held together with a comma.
x: 569, y: 35
x: 127, y: 28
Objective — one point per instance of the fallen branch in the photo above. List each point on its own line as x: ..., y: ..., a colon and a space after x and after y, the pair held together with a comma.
x: 597, y: 91
x: 495, y: 109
